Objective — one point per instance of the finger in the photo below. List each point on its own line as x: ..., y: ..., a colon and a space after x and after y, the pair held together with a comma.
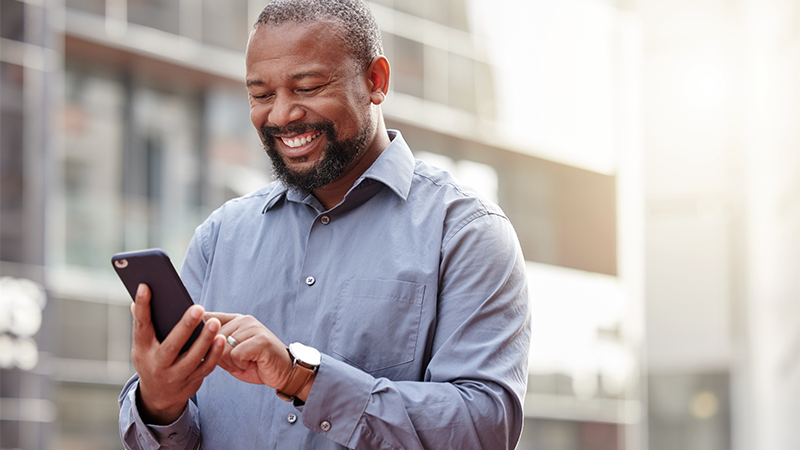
x: 234, y: 330
x: 143, y: 332
x: 239, y: 326
x: 251, y: 348
x: 225, y: 362
x: 242, y: 356
x: 177, y: 338
x: 224, y: 318
x: 190, y: 360
x: 212, y: 357
x: 238, y: 361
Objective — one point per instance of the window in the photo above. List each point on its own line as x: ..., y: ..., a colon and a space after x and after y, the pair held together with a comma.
x: 225, y: 23
x: 408, y: 66
x: 159, y: 14
x: 92, y: 120
x: 131, y: 168
x: 91, y: 6
x: 413, y: 7
x: 12, y: 227
x: 461, y: 83
x: 12, y: 20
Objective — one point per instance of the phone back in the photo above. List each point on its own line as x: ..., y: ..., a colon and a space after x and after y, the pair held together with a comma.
x: 169, y: 299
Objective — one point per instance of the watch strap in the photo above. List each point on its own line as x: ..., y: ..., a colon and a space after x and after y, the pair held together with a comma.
x: 297, y: 379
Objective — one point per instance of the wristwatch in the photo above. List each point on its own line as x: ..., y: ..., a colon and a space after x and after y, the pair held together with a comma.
x: 305, y: 362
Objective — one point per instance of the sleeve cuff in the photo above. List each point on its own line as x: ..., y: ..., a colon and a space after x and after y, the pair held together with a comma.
x: 337, y: 400
x: 175, y: 435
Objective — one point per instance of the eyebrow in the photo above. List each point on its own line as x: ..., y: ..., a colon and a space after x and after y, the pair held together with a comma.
x: 297, y: 76
x: 309, y: 74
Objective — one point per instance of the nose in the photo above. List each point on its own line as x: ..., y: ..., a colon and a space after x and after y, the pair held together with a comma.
x: 285, y: 110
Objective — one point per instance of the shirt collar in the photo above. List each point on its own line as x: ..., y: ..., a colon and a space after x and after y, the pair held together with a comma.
x: 394, y: 168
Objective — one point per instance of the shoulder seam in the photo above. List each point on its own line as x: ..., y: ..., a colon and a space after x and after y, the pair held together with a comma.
x: 452, y: 185
x: 471, y: 218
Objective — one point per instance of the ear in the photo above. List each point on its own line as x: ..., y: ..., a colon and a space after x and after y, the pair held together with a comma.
x: 378, y: 79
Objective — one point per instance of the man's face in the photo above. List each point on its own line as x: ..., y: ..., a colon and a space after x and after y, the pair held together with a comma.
x: 309, y: 101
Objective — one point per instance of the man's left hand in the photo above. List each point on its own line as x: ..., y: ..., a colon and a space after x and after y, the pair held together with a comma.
x: 259, y: 357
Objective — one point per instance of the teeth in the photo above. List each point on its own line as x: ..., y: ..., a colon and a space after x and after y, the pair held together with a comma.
x: 297, y: 142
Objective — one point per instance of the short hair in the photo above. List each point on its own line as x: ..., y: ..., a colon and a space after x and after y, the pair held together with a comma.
x: 362, y: 37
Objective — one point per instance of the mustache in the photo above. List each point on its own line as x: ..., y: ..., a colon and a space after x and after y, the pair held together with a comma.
x: 268, y: 132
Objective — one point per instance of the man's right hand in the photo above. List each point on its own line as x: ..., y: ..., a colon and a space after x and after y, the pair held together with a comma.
x: 167, y: 379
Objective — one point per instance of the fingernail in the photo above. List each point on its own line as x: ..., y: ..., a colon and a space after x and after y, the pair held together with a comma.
x: 140, y: 290
x: 213, y: 325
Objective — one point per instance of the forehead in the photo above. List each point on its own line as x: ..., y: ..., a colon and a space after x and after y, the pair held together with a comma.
x: 288, y: 47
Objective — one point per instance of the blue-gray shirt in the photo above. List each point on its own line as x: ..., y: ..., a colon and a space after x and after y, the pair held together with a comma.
x: 413, y: 288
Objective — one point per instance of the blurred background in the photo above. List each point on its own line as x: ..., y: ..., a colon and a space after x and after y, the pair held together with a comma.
x: 647, y: 152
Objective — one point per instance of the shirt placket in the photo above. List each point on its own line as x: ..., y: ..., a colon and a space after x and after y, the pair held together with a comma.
x: 313, y: 279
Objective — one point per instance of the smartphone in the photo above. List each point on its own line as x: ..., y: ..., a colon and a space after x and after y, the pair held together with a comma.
x: 169, y: 299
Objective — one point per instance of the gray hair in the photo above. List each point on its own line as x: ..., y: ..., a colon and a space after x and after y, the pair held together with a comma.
x: 362, y: 37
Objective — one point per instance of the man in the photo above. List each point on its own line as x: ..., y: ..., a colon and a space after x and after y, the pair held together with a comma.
x: 407, y: 293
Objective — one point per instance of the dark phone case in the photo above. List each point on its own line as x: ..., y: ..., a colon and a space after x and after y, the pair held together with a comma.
x: 169, y: 298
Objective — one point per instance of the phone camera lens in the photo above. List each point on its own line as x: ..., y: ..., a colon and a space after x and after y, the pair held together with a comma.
x: 121, y: 263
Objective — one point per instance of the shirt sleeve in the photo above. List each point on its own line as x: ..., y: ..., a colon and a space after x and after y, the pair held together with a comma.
x: 474, y: 385
x: 184, y: 433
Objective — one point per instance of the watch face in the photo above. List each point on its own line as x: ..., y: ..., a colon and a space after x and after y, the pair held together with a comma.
x: 306, y: 354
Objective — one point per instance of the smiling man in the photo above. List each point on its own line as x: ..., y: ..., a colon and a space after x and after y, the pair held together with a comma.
x: 383, y: 303
x: 316, y: 105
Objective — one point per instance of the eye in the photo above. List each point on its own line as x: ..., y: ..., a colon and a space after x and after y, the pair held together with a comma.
x: 261, y: 97
x: 308, y: 90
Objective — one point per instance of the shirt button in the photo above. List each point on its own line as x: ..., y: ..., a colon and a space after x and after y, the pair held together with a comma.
x: 310, y: 281
x: 173, y: 435
x: 325, y: 425
x: 325, y: 220
x: 292, y: 418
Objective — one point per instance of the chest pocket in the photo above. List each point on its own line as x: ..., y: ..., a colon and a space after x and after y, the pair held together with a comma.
x: 377, y: 323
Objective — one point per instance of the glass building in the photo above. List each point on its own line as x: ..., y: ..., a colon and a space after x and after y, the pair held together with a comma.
x: 125, y: 123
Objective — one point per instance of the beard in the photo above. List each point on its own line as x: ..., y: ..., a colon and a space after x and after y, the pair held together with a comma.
x: 337, y: 157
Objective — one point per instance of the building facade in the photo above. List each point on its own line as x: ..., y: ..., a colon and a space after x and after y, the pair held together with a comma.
x: 125, y: 123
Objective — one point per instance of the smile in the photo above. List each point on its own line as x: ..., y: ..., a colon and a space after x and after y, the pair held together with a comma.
x: 301, y: 140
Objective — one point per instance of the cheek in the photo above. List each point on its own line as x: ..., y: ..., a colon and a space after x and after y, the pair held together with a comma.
x: 348, y: 115
x: 258, y: 115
